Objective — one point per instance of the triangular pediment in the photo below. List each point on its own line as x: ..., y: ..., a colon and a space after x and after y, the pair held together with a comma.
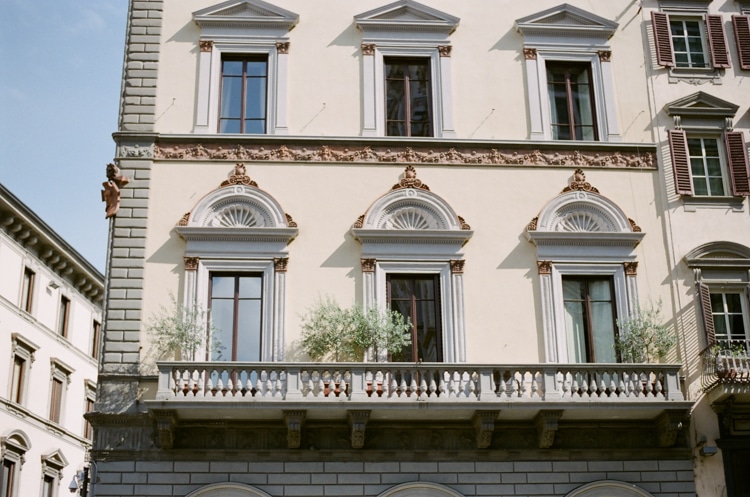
x: 246, y: 13
x: 56, y: 459
x: 701, y: 104
x: 406, y: 15
x: 566, y: 20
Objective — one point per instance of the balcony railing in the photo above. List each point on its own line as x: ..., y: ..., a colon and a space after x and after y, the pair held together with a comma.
x: 402, y: 382
x: 727, y: 361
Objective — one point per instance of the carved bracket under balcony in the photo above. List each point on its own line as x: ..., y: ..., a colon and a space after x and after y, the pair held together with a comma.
x: 294, y: 421
x: 668, y: 425
x: 358, y: 423
x: 484, y: 425
x: 546, y: 426
x: 165, y: 424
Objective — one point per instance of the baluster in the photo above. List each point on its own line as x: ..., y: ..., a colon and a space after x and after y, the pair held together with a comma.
x: 613, y: 388
x: 534, y: 385
x: 423, y: 384
x: 393, y: 387
x: 602, y: 387
x: 658, y: 388
x: 513, y: 385
x: 523, y: 385
x: 567, y: 386
x: 444, y: 381
x: 412, y: 389
x: 432, y: 388
x: 472, y: 386
x: 584, y: 386
x: 502, y: 386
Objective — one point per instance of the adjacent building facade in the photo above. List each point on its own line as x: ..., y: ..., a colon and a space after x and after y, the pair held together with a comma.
x: 500, y: 172
x: 50, y: 337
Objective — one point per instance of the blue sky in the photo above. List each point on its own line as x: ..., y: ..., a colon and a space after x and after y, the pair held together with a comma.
x: 60, y: 69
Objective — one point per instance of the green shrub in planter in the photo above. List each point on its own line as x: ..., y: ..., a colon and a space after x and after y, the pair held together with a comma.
x: 642, y: 336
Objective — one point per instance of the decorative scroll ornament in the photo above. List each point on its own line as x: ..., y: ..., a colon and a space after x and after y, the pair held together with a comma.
x: 368, y: 265
x: 532, y: 224
x: 280, y: 264
x: 282, y: 47
x: 579, y: 183
x: 239, y: 177
x: 414, y: 155
x: 445, y: 50
x: 544, y: 267
x: 464, y: 224
x: 359, y: 222
x: 289, y: 221
x: 191, y: 263
x: 111, y: 191
x: 206, y: 45
x: 633, y: 226
x: 457, y: 266
x: 410, y: 180
x: 484, y: 426
x: 529, y: 53
x: 368, y: 49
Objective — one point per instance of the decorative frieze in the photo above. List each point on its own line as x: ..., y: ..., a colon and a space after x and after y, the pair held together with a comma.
x: 445, y: 50
x: 368, y: 265
x: 282, y: 47
x: 191, y: 263
x: 457, y: 266
x: 280, y: 264
x: 368, y: 49
x: 135, y: 152
x: 480, y: 154
x: 631, y: 268
x: 358, y: 423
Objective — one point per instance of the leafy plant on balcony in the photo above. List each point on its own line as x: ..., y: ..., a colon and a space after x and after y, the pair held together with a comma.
x: 180, y: 331
x: 643, y: 338
x: 330, y: 332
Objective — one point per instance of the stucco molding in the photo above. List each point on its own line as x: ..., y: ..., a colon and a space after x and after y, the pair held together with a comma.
x: 228, y: 490
x: 609, y: 488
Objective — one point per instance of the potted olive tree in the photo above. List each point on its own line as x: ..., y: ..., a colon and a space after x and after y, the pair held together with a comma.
x: 180, y: 332
x: 643, y: 338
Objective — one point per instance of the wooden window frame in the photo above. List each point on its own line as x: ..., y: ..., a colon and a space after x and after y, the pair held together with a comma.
x: 96, y: 336
x: 389, y: 61
x: 8, y: 478
x: 27, y: 292
x: 60, y: 374
x: 243, y: 99
x: 22, y: 349
x: 415, y: 324
x: 569, y: 97
x: 589, y: 332
x: 713, y: 37
x: 235, y: 312
x: 63, y: 318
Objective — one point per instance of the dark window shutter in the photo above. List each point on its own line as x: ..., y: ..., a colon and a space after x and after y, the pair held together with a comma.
x: 738, y: 163
x: 742, y: 36
x: 662, y: 39
x: 708, y: 318
x: 717, y: 42
x: 683, y: 179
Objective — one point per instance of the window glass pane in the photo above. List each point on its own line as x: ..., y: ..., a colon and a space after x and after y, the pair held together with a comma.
x: 222, y: 317
x: 713, y: 166
x: 573, y: 290
x: 700, y: 186
x: 232, y: 68
x: 256, y: 68
x: 603, y: 331
x: 250, y: 287
x: 394, y: 71
x: 427, y: 335
x: 600, y: 290
x: 692, y: 28
x: 424, y: 289
x: 231, y: 97
x: 737, y: 327
x: 248, y: 326
x: 680, y: 45
x: 255, y: 99
x: 717, y: 186
x: 222, y: 287
x: 400, y: 289
x: 576, y: 331
x: 255, y: 127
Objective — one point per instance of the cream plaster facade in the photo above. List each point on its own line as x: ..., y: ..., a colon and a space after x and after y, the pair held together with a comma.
x: 34, y: 445
x: 510, y: 215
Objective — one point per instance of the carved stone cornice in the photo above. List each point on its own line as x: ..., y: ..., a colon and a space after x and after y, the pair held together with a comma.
x: 605, y: 55
x: 166, y: 420
x: 239, y: 177
x: 546, y: 426
x: 631, y: 268
x: 368, y: 49
x: 484, y: 426
x: 553, y: 154
x: 529, y: 53
x: 445, y: 50
x: 544, y: 267
x: 191, y: 263
x: 282, y: 47
x: 579, y: 183
x: 457, y: 266
x: 668, y: 426
x: 358, y: 424
x: 206, y: 45
x: 294, y: 421
x: 280, y: 264
x: 368, y: 265
x: 410, y: 180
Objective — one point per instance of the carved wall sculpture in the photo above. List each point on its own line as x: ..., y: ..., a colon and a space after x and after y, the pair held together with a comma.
x: 111, y: 191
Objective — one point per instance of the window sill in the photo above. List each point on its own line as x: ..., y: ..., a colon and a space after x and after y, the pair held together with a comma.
x: 693, y: 203
x: 695, y: 75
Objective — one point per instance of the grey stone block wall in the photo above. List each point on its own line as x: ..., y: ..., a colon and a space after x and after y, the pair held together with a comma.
x: 668, y: 478
x: 137, y: 107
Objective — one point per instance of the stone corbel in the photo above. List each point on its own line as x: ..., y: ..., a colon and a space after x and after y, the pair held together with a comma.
x: 294, y: 421
x: 546, y: 426
x: 166, y: 420
x: 358, y: 423
x: 484, y: 426
x: 668, y: 425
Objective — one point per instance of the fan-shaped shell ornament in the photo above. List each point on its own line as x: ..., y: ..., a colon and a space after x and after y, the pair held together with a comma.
x: 237, y: 216
x: 410, y: 218
x: 581, y: 222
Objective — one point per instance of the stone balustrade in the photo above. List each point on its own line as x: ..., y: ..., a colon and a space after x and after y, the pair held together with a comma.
x: 407, y: 382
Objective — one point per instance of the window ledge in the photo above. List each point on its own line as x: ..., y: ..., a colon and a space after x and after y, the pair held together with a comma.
x: 693, y: 203
x: 695, y: 75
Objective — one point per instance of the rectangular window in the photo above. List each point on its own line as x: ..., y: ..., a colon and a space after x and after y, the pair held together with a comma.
x: 63, y: 317
x: 687, y: 42
x: 22, y: 359
x: 690, y: 41
x: 244, y: 86
x: 55, y: 403
x: 9, y: 476
x: 88, y: 431
x: 96, y: 331
x: 49, y: 483
x: 705, y: 166
x: 28, y: 290
x: 728, y: 316
x: 236, y: 313
x: 589, y: 319
x: 571, y: 98
x: 408, y: 97
x: 418, y: 298
x: 18, y: 380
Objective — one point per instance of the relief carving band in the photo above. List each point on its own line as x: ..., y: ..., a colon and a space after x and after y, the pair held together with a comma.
x: 480, y: 154
x: 111, y: 191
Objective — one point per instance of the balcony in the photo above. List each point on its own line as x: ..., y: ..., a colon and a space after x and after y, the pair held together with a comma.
x: 726, y: 369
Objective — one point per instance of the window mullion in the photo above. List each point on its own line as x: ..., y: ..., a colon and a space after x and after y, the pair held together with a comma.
x: 235, y: 317
x: 569, y: 98
x: 407, y: 99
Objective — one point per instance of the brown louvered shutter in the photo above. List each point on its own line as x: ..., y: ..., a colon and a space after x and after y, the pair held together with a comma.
x: 683, y: 179
x: 708, y: 318
x: 739, y: 171
x: 662, y: 39
x: 742, y: 36
x: 717, y: 42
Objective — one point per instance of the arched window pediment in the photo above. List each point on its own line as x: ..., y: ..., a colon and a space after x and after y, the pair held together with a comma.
x: 610, y: 488
x: 420, y: 489
x: 719, y: 254
x: 228, y: 490
x: 411, y: 213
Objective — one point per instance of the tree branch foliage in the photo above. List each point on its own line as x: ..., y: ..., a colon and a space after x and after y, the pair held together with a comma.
x: 179, y: 331
x: 642, y: 336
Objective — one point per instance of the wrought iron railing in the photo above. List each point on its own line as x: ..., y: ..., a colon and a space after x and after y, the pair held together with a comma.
x: 726, y: 361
